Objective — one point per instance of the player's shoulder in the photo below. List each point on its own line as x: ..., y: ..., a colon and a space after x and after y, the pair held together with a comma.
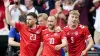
x: 45, y: 30
x: 82, y: 26
x: 65, y: 28
x: 41, y: 27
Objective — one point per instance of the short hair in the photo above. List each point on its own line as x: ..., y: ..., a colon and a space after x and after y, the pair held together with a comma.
x: 44, y: 15
x: 53, y: 16
x: 22, y: 18
x: 74, y: 12
x: 32, y: 14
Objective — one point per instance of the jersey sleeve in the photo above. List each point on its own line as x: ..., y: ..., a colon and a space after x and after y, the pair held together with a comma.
x: 63, y: 34
x: 42, y: 35
x: 87, y: 34
x: 19, y: 26
x: 11, y: 33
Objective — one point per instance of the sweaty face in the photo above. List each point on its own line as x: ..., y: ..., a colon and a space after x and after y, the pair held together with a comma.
x: 41, y: 21
x: 51, y: 22
x: 73, y: 19
x: 30, y: 21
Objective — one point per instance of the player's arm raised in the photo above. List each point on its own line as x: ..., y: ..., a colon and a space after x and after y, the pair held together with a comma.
x: 7, y: 13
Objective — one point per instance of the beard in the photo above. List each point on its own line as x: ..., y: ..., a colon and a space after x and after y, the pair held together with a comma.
x: 51, y: 26
x: 29, y: 25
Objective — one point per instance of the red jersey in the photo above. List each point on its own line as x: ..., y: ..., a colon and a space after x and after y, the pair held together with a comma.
x: 76, y: 39
x: 30, y: 39
x: 2, y: 16
x: 60, y: 21
x: 50, y: 39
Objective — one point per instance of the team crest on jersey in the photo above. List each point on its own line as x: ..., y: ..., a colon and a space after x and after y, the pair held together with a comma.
x: 37, y: 32
x: 76, y: 33
x: 55, y: 34
x: 47, y: 35
x: 67, y: 33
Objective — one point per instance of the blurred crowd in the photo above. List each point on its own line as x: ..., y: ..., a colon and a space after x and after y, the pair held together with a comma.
x: 89, y: 15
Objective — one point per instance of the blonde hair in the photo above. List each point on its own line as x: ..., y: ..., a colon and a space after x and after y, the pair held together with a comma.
x: 74, y: 12
x: 44, y: 15
x: 53, y: 17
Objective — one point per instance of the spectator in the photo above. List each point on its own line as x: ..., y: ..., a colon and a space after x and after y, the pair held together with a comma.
x: 97, y: 25
x: 30, y: 7
x: 60, y: 14
x: 17, y: 9
x: 68, y: 4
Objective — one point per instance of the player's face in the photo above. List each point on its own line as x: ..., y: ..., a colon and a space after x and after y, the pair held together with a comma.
x: 41, y: 21
x: 30, y: 21
x: 51, y: 22
x: 73, y: 19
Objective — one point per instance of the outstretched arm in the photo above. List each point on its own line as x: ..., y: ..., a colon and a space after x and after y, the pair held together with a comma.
x: 7, y: 13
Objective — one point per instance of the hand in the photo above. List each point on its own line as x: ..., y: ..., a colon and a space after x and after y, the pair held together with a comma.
x: 95, y: 1
x: 58, y: 29
x: 6, y: 3
x: 59, y: 10
x: 65, y: 49
x: 83, y: 53
x: 76, y: 2
x: 62, y: 16
x: 57, y: 47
